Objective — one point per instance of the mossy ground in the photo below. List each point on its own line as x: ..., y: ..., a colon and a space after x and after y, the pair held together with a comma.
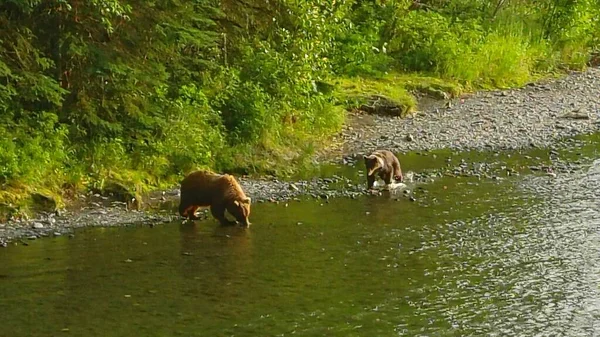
x: 401, y: 89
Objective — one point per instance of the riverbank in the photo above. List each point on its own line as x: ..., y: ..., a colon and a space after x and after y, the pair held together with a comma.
x: 538, y: 115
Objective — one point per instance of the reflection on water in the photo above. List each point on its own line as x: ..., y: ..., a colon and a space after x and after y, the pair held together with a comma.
x: 469, y: 257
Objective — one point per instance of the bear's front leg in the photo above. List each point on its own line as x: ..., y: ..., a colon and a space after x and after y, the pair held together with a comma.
x: 219, y: 213
x: 387, y: 177
x: 397, y: 171
x: 370, y: 181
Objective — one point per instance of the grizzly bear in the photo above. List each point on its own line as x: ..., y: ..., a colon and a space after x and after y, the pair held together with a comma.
x: 383, y: 163
x: 220, y: 192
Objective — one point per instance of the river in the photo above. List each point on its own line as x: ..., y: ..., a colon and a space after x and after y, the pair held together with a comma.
x: 513, y: 256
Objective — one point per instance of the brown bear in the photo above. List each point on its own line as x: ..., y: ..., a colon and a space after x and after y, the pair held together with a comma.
x: 220, y: 192
x: 383, y: 163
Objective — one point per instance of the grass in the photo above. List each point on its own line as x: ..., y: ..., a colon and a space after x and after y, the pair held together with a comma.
x: 284, y: 153
x: 400, y: 89
x: 21, y: 200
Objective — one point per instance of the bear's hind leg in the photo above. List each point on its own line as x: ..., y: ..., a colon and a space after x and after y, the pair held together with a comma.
x: 192, y: 213
x: 189, y: 212
x: 187, y: 207
x: 183, y: 209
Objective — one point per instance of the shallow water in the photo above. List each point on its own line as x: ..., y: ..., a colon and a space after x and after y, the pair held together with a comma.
x: 469, y: 257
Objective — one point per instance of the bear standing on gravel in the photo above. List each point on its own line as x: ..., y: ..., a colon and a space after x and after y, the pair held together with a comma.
x: 220, y: 192
x: 383, y: 163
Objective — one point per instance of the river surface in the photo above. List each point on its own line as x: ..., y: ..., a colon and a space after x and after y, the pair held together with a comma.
x: 517, y: 256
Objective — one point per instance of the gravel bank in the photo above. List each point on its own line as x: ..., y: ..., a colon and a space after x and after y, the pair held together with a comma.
x: 536, y: 115
x: 162, y: 207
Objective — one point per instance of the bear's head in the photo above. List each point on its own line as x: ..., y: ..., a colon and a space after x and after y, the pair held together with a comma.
x: 240, y: 209
x: 373, y: 163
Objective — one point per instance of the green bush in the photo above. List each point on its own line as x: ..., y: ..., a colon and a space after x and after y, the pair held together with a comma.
x: 499, y: 60
x: 33, y: 150
x: 247, y: 114
x: 193, y: 134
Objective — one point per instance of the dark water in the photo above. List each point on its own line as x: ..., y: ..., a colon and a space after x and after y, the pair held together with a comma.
x: 512, y: 257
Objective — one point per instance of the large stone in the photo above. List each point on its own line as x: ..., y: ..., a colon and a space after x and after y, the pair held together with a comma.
x: 118, y: 191
x: 382, y: 105
x: 44, y: 201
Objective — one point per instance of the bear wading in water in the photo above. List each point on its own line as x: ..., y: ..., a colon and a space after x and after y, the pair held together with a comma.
x: 219, y: 191
x: 385, y: 164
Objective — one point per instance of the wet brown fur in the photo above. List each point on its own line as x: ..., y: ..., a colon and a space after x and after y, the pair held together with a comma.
x: 383, y: 163
x: 220, y: 192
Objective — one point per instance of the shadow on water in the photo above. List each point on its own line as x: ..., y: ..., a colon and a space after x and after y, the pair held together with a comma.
x: 512, y: 257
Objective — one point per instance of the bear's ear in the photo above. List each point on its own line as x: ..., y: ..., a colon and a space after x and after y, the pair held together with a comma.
x: 239, y: 203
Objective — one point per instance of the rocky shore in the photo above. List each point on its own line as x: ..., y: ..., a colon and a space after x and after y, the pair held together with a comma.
x: 534, y: 116
x: 538, y: 115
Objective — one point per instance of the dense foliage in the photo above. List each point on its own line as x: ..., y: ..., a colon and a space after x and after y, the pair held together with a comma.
x: 141, y: 91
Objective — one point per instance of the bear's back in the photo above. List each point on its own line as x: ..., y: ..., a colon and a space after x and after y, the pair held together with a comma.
x: 207, y: 187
